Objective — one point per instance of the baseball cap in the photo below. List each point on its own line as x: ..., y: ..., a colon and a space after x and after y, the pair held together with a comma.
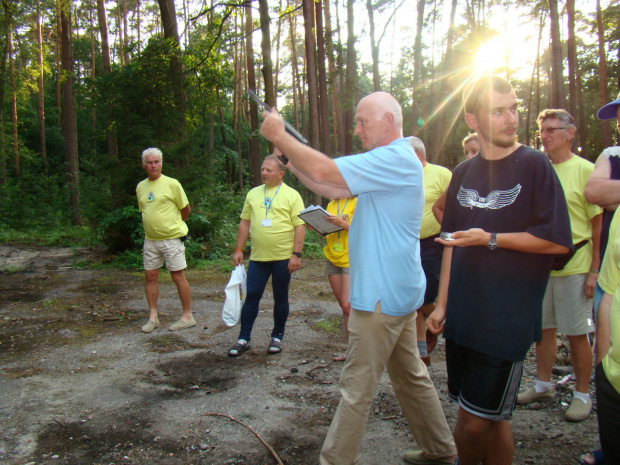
x: 610, y: 110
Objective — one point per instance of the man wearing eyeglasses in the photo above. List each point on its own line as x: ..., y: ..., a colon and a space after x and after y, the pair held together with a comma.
x: 567, y: 306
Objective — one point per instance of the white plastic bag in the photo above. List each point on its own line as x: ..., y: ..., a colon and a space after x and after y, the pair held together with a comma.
x: 236, y: 290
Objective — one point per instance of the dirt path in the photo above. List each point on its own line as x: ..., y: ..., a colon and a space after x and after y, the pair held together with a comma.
x: 80, y: 384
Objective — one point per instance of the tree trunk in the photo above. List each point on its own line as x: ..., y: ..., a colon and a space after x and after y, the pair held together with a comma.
x: 323, y: 97
x: 350, y: 93
x: 417, y: 68
x: 313, y: 110
x: 558, y: 94
x: 573, y: 72
x: 254, y: 143
x: 292, y: 24
x: 278, y: 40
x: 9, y: 34
x: 3, y: 62
x: 125, y: 50
x: 602, y: 66
x: 374, y: 49
x: 41, y: 103
x: 107, y: 67
x: 93, y: 69
x: 333, y: 80
x: 437, y: 154
x: 267, y: 69
x: 70, y: 124
x: 58, y: 65
x: 171, y: 33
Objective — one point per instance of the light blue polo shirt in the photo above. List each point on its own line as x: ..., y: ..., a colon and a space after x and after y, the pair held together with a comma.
x: 384, y: 249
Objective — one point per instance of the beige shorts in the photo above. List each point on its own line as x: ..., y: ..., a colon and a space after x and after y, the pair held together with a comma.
x: 331, y: 269
x: 565, y: 306
x: 171, y: 251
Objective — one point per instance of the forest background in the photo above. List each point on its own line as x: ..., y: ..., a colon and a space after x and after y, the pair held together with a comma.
x: 88, y: 84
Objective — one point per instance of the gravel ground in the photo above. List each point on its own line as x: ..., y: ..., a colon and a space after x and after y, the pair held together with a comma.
x: 80, y: 384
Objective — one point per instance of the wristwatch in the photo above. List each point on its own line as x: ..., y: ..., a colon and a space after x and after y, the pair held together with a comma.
x: 492, y: 244
x: 297, y: 253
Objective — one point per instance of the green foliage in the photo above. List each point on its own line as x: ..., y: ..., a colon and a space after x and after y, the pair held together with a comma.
x: 121, y: 229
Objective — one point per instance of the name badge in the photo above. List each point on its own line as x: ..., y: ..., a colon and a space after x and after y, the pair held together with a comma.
x: 338, y: 247
x: 266, y: 222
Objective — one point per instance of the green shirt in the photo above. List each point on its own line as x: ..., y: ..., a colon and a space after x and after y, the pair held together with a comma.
x: 573, y: 174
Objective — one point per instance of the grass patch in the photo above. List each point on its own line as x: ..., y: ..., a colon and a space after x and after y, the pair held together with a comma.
x: 331, y: 324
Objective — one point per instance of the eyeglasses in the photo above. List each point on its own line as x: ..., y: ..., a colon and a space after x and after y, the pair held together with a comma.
x: 549, y: 131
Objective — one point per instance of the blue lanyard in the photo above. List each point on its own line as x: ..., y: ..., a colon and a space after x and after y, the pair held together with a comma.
x: 269, y: 201
x: 338, y: 210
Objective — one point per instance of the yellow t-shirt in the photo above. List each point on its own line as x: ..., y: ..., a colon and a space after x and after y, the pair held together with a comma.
x: 337, y: 248
x: 609, y: 280
x: 160, y: 202
x: 273, y: 214
x: 573, y: 174
x: 436, y: 180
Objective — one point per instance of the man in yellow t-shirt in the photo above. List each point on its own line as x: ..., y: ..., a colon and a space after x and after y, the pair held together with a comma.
x: 165, y: 208
x: 567, y: 306
x: 436, y: 181
x: 270, y: 218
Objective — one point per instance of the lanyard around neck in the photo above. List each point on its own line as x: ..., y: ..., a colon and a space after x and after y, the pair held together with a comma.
x: 338, y: 210
x: 269, y: 201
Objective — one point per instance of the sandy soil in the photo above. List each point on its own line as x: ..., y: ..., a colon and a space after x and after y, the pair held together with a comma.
x: 80, y: 384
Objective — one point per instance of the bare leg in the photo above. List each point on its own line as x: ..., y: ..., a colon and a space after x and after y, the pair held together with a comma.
x: 340, y: 286
x: 581, y: 360
x: 423, y: 312
x: 184, y: 293
x: 546, y: 351
x: 481, y: 440
x: 152, y: 292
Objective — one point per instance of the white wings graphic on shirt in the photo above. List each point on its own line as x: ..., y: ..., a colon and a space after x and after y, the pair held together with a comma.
x: 469, y: 198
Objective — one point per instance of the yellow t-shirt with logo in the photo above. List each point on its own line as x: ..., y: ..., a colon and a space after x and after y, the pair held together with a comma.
x: 160, y: 202
x: 436, y: 180
x: 573, y: 175
x: 609, y: 280
x: 337, y: 248
x: 273, y: 213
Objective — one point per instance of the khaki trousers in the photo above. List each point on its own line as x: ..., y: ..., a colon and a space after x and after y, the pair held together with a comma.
x: 376, y: 341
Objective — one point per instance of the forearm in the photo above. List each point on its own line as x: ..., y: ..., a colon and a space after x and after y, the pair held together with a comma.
x: 597, y: 224
x: 444, y: 277
x: 323, y: 190
x: 298, y: 240
x: 185, y: 211
x: 315, y: 165
x: 526, y: 242
x: 603, y: 192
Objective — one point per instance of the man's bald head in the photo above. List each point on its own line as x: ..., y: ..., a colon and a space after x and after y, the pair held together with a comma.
x: 379, y: 120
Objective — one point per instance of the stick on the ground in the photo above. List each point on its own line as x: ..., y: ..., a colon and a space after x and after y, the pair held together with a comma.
x: 273, y: 452
x: 317, y: 367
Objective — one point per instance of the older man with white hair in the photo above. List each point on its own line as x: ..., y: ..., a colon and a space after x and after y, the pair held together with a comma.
x: 165, y: 208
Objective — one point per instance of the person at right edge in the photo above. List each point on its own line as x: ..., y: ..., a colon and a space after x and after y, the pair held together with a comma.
x: 508, y: 217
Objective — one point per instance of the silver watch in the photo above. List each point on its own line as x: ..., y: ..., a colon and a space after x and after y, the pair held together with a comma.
x: 492, y: 244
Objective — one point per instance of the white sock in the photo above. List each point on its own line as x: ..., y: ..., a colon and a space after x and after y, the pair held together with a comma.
x: 543, y: 386
x: 242, y: 341
x: 585, y: 396
x: 276, y: 339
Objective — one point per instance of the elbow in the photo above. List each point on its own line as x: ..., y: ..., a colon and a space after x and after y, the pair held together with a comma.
x: 557, y: 249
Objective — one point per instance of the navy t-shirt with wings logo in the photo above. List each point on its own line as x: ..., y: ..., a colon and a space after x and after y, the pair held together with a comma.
x: 495, y: 297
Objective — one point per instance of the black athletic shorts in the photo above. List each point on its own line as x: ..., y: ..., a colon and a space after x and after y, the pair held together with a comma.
x: 484, y: 386
x: 431, y: 253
